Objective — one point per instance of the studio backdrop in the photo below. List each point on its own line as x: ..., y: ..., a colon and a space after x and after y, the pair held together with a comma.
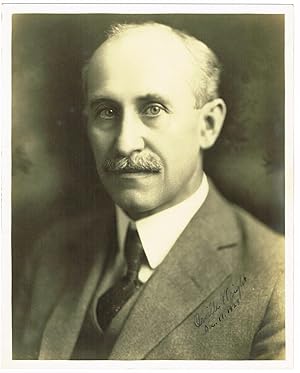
x: 54, y: 174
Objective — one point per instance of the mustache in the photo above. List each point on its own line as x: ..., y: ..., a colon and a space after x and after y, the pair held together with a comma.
x: 136, y: 162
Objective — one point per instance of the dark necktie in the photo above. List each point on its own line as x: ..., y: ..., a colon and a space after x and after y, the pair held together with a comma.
x: 110, y: 303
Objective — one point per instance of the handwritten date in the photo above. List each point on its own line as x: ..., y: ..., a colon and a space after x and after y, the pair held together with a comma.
x: 221, y: 306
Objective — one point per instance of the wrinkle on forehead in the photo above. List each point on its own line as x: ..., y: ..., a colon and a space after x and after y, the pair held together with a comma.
x: 154, y: 49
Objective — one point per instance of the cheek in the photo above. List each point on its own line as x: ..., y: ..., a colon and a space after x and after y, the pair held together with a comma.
x: 181, y: 156
x: 100, y: 142
x: 179, y: 147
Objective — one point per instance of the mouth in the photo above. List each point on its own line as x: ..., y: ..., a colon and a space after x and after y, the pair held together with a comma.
x: 132, y: 174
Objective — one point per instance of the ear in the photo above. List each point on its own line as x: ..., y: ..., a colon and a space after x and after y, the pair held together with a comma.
x: 211, y: 120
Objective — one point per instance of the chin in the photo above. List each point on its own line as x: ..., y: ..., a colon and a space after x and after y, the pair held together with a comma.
x: 136, y: 205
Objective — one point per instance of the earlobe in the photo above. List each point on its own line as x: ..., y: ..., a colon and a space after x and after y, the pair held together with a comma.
x: 212, y: 117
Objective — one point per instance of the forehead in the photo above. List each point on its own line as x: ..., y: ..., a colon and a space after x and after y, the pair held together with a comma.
x: 140, y: 59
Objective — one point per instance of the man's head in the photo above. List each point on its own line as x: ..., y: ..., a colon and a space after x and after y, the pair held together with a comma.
x: 152, y: 105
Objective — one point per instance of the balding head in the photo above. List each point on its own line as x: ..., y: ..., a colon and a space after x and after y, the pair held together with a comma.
x: 191, y: 56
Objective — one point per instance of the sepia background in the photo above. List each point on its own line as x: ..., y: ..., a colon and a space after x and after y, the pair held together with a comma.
x: 54, y: 176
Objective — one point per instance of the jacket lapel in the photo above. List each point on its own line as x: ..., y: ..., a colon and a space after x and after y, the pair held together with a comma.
x: 202, y: 258
x: 63, y: 326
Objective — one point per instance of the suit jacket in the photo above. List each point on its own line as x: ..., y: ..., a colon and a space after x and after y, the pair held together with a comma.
x: 219, y: 293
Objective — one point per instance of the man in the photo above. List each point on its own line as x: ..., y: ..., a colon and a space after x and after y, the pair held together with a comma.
x: 169, y: 270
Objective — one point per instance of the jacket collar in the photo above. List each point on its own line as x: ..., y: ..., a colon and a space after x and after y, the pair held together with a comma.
x: 201, y: 259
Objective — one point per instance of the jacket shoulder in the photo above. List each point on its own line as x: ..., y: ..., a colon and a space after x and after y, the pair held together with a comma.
x: 72, y: 234
x: 262, y: 246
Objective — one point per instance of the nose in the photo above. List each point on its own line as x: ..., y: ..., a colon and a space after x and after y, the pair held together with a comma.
x: 130, y: 138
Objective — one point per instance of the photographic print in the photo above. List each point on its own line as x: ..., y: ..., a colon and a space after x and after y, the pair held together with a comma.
x: 148, y: 186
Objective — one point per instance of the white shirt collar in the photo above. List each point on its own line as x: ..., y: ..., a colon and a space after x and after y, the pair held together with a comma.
x: 154, y: 230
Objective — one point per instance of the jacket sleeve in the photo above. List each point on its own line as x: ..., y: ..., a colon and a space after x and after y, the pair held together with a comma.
x: 269, y: 341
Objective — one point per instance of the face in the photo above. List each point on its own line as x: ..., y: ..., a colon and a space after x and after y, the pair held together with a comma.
x: 142, y: 122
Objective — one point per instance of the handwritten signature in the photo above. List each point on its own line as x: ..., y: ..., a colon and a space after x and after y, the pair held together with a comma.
x: 222, y: 306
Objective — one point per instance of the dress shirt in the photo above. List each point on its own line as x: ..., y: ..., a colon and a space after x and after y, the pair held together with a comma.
x: 159, y: 232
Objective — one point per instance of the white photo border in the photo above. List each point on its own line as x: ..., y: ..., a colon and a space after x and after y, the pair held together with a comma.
x: 10, y: 8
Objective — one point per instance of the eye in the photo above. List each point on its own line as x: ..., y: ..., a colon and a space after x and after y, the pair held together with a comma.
x: 107, y: 113
x: 153, y: 110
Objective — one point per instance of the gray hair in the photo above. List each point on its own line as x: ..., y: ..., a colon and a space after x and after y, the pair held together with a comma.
x: 208, y: 68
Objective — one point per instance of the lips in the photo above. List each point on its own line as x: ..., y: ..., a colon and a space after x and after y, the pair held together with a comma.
x: 134, y: 175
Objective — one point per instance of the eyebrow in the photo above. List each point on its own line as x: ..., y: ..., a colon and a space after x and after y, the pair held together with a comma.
x: 153, y: 97
x: 96, y: 100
